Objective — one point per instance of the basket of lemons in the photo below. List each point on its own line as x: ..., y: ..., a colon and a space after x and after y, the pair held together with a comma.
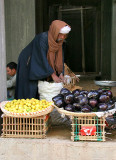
x: 26, y: 107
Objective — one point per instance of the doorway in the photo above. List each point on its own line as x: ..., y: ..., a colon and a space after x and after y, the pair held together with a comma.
x: 82, y: 48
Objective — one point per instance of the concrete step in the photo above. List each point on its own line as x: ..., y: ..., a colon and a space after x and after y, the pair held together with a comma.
x: 57, y: 146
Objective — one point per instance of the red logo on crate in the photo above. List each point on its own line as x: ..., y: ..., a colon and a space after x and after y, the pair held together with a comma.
x: 88, y: 130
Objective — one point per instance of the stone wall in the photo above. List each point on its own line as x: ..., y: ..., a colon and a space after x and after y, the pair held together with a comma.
x: 20, y: 26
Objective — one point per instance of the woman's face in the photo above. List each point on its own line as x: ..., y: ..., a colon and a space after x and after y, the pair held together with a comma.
x: 61, y: 37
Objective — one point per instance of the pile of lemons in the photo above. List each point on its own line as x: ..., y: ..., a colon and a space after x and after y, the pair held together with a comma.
x: 26, y: 105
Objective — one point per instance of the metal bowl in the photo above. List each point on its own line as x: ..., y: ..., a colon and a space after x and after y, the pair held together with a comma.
x: 106, y: 83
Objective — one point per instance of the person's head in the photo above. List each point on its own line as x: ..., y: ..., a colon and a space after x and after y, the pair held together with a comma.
x: 11, y: 68
x: 63, y: 33
x: 59, y: 31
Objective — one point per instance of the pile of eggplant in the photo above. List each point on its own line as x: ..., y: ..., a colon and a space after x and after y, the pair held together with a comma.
x: 85, y: 101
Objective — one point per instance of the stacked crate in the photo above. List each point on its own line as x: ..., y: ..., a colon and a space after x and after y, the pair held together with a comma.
x: 88, y: 128
x: 18, y: 127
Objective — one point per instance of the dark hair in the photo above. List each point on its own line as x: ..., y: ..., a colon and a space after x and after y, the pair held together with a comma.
x: 12, y: 65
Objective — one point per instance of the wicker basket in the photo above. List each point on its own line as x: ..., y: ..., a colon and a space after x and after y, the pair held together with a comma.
x: 26, y: 115
x: 73, y: 82
x: 88, y: 128
x: 17, y: 127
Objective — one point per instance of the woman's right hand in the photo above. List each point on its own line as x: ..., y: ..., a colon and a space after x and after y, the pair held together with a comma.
x: 56, y: 78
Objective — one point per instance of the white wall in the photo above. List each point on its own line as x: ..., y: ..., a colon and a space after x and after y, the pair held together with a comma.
x: 2, y: 54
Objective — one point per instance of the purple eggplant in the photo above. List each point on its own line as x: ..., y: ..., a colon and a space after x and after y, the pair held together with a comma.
x: 76, y: 92
x: 86, y: 108
x: 110, y: 106
x: 83, y: 101
x: 114, y: 99
x: 111, y: 101
x: 77, y: 106
x: 69, y: 107
x: 93, y: 103
x: 64, y: 91
x: 84, y: 92
x: 102, y: 106
x: 69, y: 98
x: 100, y: 90
x: 60, y: 103
x: 108, y: 92
x: 104, y: 98
x: 59, y: 96
x: 93, y: 94
x: 77, y: 98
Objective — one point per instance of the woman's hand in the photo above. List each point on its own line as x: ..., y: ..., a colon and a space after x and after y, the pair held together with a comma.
x: 56, y: 78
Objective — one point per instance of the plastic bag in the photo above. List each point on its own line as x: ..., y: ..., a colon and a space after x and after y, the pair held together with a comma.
x: 48, y: 90
x: 57, y: 119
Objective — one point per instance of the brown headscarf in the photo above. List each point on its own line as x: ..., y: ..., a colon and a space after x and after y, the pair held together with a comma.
x: 54, y: 54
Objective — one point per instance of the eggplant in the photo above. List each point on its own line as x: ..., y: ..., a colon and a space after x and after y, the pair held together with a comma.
x: 64, y: 91
x: 76, y: 92
x: 83, y: 101
x: 108, y: 92
x: 77, y: 106
x: 114, y: 99
x: 60, y: 103
x: 111, y: 101
x: 59, y: 96
x: 100, y: 90
x: 93, y: 94
x: 84, y: 92
x: 102, y: 106
x: 104, y: 98
x: 69, y: 107
x: 93, y: 103
x: 86, y: 108
x: 69, y: 98
x: 77, y: 98
x: 110, y: 106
